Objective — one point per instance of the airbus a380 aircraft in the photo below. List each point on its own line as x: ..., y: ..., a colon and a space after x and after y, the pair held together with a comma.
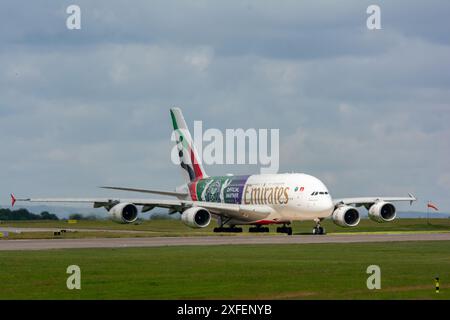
x: 256, y: 200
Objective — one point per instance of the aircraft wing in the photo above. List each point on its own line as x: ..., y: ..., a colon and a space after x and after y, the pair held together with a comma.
x: 367, y: 201
x: 235, y: 211
x: 107, y: 202
x: 161, y: 192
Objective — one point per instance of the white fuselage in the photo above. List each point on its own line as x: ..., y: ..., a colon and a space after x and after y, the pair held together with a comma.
x: 307, y: 197
x: 283, y: 197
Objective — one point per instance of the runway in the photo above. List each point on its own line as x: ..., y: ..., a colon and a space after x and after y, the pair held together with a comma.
x: 45, y: 244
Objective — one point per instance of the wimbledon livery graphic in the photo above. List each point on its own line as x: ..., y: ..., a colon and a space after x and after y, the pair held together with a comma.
x: 236, y: 190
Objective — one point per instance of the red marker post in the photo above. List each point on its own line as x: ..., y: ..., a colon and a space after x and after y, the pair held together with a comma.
x: 433, y: 206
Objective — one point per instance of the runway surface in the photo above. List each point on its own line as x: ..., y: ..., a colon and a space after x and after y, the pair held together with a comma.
x: 44, y: 244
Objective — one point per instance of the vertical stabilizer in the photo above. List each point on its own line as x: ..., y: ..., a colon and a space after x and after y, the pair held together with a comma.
x: 189, y: 159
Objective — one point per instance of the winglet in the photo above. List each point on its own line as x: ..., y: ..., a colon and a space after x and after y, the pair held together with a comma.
x: 413, y: 198
x: 13, y: 200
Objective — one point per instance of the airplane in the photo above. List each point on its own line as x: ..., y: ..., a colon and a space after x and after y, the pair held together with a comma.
x: 256, y: 200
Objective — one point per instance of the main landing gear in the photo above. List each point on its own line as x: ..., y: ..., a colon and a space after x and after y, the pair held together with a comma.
x: 258, y: 228
x: 318, y: 229
x: 222, y: 227
x: 284, y: 229
x: 228, y: 229
x: 254, y: 229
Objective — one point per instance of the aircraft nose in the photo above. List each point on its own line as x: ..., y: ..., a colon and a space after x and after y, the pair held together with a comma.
x: 325, y: 206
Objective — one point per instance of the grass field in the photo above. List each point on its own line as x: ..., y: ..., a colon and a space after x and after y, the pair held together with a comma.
x: 314, y: 271
x: 175, y: 228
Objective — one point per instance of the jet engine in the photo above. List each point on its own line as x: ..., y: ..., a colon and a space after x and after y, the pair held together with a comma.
x: 346, y: 216
x: 382, y: 211
x: 124, y: 213
x: 196, y: 217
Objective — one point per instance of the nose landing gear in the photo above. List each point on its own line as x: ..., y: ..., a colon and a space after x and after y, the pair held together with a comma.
x: 318, y: 229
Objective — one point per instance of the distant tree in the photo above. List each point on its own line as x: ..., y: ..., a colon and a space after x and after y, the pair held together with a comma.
x: 76, y: 216
x: 45, y: 215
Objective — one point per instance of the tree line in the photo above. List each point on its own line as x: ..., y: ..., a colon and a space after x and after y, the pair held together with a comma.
x: 24, y: 214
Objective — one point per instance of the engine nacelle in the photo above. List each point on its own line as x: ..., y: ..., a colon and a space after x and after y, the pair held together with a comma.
x: 124, y: 213
x: 196, y: 217
x: 382, y: 211
x: 346, y: 216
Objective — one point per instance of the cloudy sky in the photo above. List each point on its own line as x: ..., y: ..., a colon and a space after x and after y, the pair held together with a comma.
x: 366, y: 111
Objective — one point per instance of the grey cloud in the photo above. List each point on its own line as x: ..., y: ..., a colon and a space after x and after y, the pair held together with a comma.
x: 290, y: 29
x: 366, y: 111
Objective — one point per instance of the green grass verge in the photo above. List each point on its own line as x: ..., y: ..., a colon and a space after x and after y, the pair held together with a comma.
x: 309, y: 271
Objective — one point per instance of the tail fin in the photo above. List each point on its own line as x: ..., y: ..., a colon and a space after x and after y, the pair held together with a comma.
x: 189, y: 160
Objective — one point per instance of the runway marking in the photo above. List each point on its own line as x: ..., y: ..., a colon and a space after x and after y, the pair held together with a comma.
x: 45, y: 244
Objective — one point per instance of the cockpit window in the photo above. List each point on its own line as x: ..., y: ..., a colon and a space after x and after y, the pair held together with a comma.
x: 315, y: 193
